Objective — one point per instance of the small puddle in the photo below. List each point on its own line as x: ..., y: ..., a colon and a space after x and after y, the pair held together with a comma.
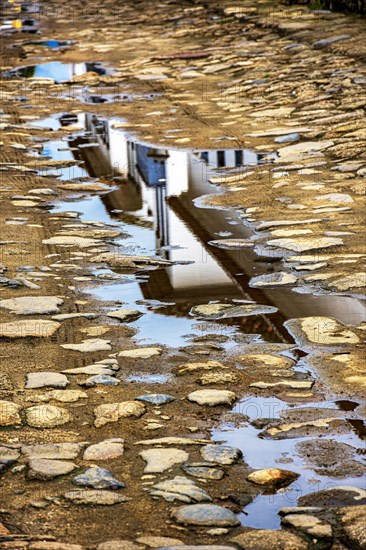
x: 57, y: 71
x: 148, y: 378
x: 259, y: 453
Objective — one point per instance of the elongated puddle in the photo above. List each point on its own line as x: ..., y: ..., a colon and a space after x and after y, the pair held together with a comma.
x: 154, y: 201
x: 57, y: 71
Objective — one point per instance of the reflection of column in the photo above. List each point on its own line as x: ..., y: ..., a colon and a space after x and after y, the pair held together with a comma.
x: 117, y: 149
x: 78, y: 69
x: 176, y: 170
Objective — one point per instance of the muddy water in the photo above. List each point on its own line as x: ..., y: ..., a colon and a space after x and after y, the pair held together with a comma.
x: 154, y: 200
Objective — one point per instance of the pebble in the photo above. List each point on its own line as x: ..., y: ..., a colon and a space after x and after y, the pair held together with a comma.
x: 203, y: 470
x: 97, y: 478
x: 105, y: 450
x: 156, y: 398
x: 41, y: 468
x: 158, y: 542
x: 95, y: 497
x: 103, y: 379
x: 221, y: 454
x: 205, y: 515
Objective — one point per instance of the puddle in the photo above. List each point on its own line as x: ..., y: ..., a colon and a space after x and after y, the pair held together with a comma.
x: 259, y: 453
x: 155, y: 200
x: 57, y: 71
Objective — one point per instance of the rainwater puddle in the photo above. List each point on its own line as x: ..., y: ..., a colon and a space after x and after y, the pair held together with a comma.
x: 51, y: 44
x: 269, y: 453
x: 154, y: 199
x: 57, y: 71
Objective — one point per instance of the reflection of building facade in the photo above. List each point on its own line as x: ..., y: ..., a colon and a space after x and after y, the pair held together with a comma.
x: 158, y: 189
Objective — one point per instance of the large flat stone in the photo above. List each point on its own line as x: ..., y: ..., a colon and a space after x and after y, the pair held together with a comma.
x: 95, y: 497
x: 160, y: 460
x: 212, y: 397
x: 47, y: 416
x: 181, y: 489
x: 113, y: 412
x: 37, y: 380
x: 52, y: 451
x: 31, y: 328
x: 105, y: 450
x: 265, y: 539
x: 29, y: 305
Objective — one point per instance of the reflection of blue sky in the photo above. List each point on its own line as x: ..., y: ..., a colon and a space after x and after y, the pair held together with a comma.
x: 52, y: 149
x: 55, y: 70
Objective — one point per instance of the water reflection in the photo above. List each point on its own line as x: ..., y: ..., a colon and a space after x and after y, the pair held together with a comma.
x: 57, y: 71
x: 154, y: 203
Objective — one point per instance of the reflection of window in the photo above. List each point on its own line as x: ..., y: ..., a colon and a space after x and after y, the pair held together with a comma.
x: 238, y: 158
x: 220, y: 159
x: 204, y: 156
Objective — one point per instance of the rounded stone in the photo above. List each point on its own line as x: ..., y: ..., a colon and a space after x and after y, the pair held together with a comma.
x: 207, y: 515
x: 110, y: 448
x: 274, y: 477
x: 40, y: 468
x: 212, y: 397
x: 47, y: 416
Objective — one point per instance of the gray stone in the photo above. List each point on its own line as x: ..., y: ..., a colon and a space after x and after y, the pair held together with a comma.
x: 105, y: 450
x: 46, y: 379
x: 331, y: 40
x: 179, y: 488
x: 52, y: 451
x: 160, y: 460
x: 95, y: 497
x: 321, y: 331
x: 302, y: 244
x: 41, y: 468
x: 65, y: 396
x: 29, y: 305
x: 206, y: 515
x: 331, y: 458
x: 156, y: 398
x: 203, y: 470
x: 97, y: 478
x: 102, y: 379
x: 221, y: 454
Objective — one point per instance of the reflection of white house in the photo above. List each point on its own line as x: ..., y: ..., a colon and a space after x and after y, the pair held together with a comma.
x: 159, y: 187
